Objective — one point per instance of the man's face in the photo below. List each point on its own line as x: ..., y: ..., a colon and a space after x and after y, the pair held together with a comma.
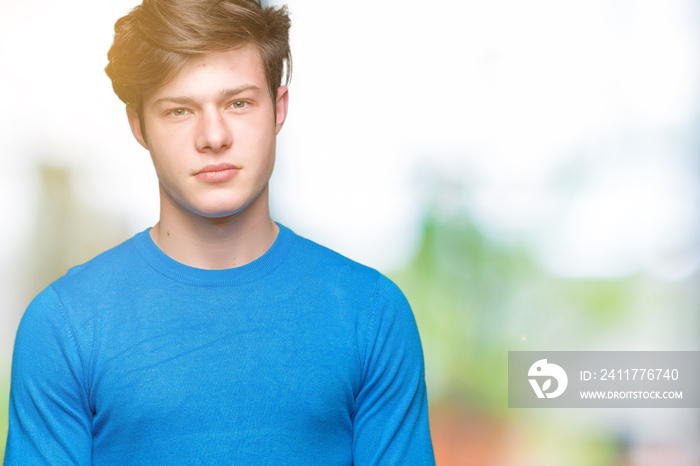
x: 211, y: 133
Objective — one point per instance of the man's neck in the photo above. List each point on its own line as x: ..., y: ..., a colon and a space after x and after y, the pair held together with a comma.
x: 215, y: 243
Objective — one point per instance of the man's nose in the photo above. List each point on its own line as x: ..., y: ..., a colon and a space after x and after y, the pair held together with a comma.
x: 214, y: 133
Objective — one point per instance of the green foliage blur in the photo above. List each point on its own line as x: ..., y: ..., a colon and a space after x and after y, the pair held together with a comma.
x: 476, y: 297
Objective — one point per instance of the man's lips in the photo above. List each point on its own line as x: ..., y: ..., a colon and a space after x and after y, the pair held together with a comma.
x: 216, y: 173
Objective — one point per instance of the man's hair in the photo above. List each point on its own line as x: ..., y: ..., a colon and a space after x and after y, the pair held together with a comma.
x: 154, y: 41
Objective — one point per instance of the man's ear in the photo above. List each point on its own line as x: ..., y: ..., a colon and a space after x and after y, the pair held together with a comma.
x: 281, y: 107
x: 135, y: 124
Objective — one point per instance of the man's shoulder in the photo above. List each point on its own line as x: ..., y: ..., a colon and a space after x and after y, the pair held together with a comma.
x: 322, y: 265
x: 110, y: 264
x: 84, y: 287
x: 314, y: 256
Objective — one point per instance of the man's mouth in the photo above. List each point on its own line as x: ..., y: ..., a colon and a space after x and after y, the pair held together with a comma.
x: 216, y: 173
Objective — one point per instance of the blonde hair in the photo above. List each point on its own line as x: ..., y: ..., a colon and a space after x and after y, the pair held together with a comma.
x: 155, y: 39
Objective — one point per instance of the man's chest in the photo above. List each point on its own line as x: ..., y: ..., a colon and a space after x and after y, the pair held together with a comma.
x: 226, y: 375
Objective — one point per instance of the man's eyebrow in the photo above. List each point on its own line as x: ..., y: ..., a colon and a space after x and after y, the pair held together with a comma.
x: 223, y: 93
x: 174, y: 100
x: 237, y: 90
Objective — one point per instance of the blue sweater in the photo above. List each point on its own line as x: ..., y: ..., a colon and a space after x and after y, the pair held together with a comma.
x: 300, y: 357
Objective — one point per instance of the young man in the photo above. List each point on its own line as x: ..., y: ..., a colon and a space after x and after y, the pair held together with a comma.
x: 217, y: 336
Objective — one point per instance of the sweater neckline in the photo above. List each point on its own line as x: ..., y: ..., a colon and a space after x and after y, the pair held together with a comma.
x: 260, y: 267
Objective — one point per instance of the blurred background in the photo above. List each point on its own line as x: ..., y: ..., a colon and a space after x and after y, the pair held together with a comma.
x: 527, y: 172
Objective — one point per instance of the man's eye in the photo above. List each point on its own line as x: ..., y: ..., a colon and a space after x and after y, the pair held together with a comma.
x: 239, y: 104
x: 178, y: 112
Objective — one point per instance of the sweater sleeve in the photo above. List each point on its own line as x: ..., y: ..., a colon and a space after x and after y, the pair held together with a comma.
x: 50, y: 420
x: 391, y: 410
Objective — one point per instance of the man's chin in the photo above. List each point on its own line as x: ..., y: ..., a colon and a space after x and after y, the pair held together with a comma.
x: 225, y: 212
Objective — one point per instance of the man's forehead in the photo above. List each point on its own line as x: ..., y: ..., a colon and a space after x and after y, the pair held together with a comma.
x: 224, y: 73
x: 247, y: 54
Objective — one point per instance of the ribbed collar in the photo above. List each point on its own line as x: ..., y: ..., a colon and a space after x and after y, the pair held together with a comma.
x: 182, y: 273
